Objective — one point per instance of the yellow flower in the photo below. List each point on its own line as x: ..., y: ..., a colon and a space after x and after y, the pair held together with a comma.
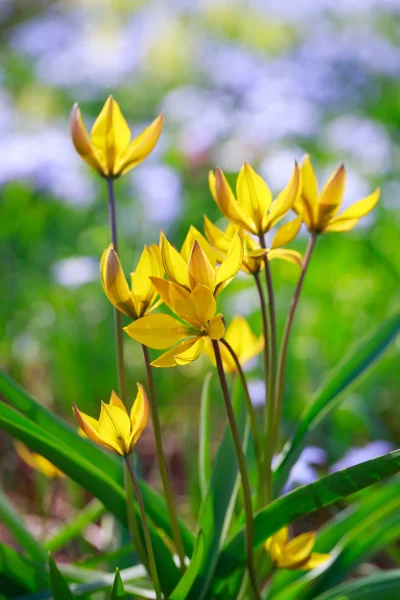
x: 140, y: 299
x: 115, y: 429
x: 197, y: 262
x: 320, y: 209
x: 195, y: 280
x: 242, y: 340
x: 37, y: 462
x: 296, y: 554
x: 109, y: 148
x: 196, y: 307
x: 253, y: 257
x: 253, y: 210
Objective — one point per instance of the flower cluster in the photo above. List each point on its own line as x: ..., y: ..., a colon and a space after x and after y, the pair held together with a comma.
x: 186, y: 285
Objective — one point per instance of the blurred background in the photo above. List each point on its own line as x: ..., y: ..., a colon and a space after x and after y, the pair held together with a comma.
x: 262, y: 81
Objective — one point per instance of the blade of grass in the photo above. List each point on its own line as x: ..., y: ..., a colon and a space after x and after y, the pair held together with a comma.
x: 204, y: 437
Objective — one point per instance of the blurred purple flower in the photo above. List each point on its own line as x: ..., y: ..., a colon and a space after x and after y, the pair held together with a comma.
x: 361, y: 454
x: 304, y: 471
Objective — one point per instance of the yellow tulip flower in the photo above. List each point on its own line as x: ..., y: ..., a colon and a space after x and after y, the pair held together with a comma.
x: 195, y: 280
x: 320, y: 209
x: 253, y: 210
x: 197, y: 262
x: 37, y: 462
x: 140, y: 298
x: 109, y: 148
x: 242, y: 340
x: 115, y: 429
x: 253, y: 254
x: 296, y: 554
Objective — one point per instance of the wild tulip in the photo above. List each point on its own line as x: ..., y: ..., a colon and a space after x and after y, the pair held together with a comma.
x: 253, y: 208
x: 296, y: 553
x: 37, y: 462
x: 115, y: 429
x: 253, y: 254
x: 320, y: 209
x: 140, y: 298
x: 109, y: 149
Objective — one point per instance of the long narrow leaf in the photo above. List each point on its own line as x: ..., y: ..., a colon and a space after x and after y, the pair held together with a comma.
x: 385, y: 586
x: 15, y: 524
x: 185, y: 584
x: 74, y: 528
x: 330, y: 393
x: 59, y: 586
x: 118, y: 590
x: 305, y: 500
x: 28, y: 575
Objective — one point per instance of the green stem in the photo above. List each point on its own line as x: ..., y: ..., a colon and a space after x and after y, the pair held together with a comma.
x: 253, y: 422
x: 133, y: 526
x: 118, y: 331
x: 248, y: 509
x: 270, y: 408
x: 176, y: 534
x: 285, y: 339
x: 146, y: 531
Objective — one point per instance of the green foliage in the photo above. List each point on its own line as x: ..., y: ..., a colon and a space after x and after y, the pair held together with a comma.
x: 59, y: 586
x: 118, y: 590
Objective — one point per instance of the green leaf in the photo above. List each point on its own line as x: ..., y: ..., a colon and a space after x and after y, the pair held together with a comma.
x: 218, y: 506
x: 29, y: 576
x: 110, y: 465
x: 118, y: 590
x: 185, y: 584
x: 330, y: 393
x: 59, y: 586
x: 204, y: 437
x: 74, y: 528
x: 15, y: 524
x: 385, y: 586
x: 305, y: 500
x: 91, y: 478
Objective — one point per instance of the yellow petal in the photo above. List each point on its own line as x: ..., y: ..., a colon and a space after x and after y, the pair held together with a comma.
x: 114, y: 283
x: 37, y: 462
x: 204, y: 303
x: 227, y: 203
x: 217, y: 238
x: 349, y: 217
x: 243, y: 341
x: 287, y: 232
x: 316, y: 559
x: 116, y: 401
x: 291, y: 256
x: 195, y: 236
x: 139, y: 416
x: 216, y: 327
x: 284, y: 202
x: 178, y: 299
x: 331, y: 196
x: 280, y: 538
x: 140, y: 147
x: 253, y: 195
x: 158, y: 331
x: 309, y: 191
x: 167, y: 359
x: 81, y: 140
x: 231, y: 265
x: 174, y: 264
x: 211, y: 185
x: 299, y: 549
x: 200, y: 268
x: 275, y: 550
x: 89, y: 427
x: 190, y: 354
x: 111, y: 134
x: 115, y: 428
x: 143, y: 289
